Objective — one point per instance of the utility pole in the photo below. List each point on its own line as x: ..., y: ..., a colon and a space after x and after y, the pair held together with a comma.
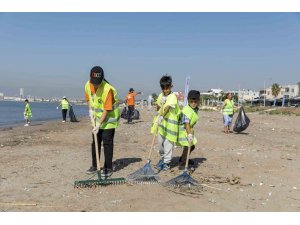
x: 239, y: 97
x: 265, y: 92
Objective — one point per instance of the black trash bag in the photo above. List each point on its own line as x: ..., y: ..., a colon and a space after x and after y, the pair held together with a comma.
x: 72, y: 115
x: 124, y: 113
x: 136, y: 115
x: 242, y: 121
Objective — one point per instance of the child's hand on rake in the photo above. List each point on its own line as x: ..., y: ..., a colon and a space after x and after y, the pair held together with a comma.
x: 96, y: 129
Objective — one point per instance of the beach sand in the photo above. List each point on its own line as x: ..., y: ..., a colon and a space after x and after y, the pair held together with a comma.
x: 255, y: 171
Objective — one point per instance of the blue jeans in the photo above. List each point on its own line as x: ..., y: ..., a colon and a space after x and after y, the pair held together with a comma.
x: 227, y: 119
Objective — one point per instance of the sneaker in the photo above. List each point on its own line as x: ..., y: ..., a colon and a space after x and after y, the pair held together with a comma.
x: 63, y: 121
x: 159, y: 164
x: 165, y: 167
x: 106, y: 173
x: 91, y: 170
x: 26, y: 125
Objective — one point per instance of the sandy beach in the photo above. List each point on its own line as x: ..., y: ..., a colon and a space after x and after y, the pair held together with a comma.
x: 254, y: 171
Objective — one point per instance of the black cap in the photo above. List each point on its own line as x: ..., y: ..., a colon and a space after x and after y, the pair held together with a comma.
x: 96, y: 75
x: 193, y: 94
x: 131, y: 89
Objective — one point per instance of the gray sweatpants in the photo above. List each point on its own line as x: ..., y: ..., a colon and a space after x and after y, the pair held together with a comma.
x: 165, y: 148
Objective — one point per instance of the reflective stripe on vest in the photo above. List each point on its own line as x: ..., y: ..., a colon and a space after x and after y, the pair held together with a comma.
x: 97, y: 104
x: 115, y: 106
x: 193, y: 117
x: 228, y: 110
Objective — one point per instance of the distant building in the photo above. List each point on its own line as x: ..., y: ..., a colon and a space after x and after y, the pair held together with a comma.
x: 248, y: 95
x: 286, y: 91
x: 21, y: 92
x: 1, y: 96
x: 213, y: 92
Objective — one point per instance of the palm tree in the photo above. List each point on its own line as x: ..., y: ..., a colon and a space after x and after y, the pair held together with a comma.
x: 275, y: 91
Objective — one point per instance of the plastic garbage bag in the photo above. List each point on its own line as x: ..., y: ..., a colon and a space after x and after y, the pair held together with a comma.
x: 72, y: 115
x: 135, y: 114
x: 242, y: 121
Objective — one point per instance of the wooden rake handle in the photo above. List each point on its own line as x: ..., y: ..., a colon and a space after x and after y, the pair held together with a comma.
x: 96, y: 144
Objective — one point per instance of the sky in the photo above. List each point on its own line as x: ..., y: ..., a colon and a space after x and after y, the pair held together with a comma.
x: 51, y: 54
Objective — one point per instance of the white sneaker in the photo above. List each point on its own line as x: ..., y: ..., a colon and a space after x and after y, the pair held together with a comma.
x: 26, y: 125
x: 63, y: 121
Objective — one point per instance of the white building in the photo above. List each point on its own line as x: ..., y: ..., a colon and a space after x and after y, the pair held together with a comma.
x: 288, y: 91
x: 248, y: 95
x: 1, y: 96
x: 213, y: 92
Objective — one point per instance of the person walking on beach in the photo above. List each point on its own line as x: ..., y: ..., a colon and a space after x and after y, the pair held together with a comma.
x: 27, y: 113
x: 228, y: 111
x: 130, y: 101
x: 167, y: 122
x: 104, y: 111
x: 189, y: 117
x: 64, y: 108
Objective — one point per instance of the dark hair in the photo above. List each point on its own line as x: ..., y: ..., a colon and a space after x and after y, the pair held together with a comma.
x: 193, y: 94
x: 165, y: 81
x: 26, y: 100
x: 228, y: 94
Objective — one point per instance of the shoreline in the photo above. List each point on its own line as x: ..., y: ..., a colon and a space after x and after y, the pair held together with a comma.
x: 35, y: 123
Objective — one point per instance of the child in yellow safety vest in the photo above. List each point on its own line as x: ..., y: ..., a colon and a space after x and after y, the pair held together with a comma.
x: 27, y: 113
x: 166, y: 123
x: 104, y: 112
x: 189, y: 117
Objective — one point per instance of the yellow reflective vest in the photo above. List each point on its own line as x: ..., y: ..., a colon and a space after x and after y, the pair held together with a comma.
x: 64, y: 104
x: 193, y: 117
x: 97, y: 102
x: 169, y: 126
x: 229, y: 108
x: 27, y: 111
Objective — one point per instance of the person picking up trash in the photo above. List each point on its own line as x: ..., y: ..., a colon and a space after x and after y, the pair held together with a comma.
x: 130, y: 101
x: 64, y: 108
x: 167, y: 122
x: 189, y: 117
x: 27, y: 113
x: 228, y: 111
x: 104, y: 110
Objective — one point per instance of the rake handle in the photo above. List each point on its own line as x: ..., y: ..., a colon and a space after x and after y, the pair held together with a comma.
x: 188, y: 157
x: 152, y: 144
x: 96, y: 145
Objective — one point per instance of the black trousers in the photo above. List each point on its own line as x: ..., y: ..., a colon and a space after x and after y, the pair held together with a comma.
x: 64, y: 113
x: 107, y: 137
x: 130, y: 112
x: 185, y: 152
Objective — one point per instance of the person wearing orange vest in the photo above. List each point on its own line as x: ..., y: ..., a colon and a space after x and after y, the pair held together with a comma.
x: 130, y: 101
x: 105, y: 112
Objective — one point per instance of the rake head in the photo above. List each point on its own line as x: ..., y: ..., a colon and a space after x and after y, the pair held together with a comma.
x: 144, y: 175
x: 100, y: 182
x: 182, y: 181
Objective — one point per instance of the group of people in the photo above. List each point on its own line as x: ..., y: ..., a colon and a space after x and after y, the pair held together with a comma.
x: 64, y: 104
x: 172, y: 125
